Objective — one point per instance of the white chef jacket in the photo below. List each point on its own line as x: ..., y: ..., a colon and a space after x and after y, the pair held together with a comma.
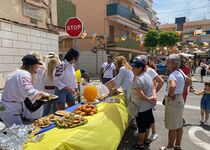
x: 18, y: 86
x: 64, y: 75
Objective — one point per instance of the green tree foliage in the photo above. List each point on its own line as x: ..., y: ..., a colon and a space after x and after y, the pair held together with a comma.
x: 168, y: 39
x: 151, y: 39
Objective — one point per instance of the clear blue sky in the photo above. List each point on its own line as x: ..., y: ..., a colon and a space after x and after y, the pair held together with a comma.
x: 166, y: 8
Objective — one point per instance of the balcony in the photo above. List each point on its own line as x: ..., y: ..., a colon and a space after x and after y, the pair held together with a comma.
x: 128, y: 44
x: 117, y: 9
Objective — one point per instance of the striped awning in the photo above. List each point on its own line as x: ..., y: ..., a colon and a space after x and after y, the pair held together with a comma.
x: 142, y: 15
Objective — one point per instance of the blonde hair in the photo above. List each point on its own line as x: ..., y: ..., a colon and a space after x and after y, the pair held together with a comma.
x: 37, y: 55
x: 121, y: 61
x: 53, y: 62
x: 31, y: 70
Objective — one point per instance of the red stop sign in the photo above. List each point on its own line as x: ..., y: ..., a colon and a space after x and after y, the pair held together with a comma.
x: 74, y: 27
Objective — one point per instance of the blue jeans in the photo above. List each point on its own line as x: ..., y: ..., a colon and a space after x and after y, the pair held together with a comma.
x: 49, y: 108
x: 63, y: 96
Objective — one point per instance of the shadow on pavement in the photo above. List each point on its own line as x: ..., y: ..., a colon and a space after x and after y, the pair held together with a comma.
x: 205, y: 127
x: 128, y: 140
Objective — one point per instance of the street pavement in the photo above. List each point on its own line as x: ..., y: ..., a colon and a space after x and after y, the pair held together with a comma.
x: 195, y: 137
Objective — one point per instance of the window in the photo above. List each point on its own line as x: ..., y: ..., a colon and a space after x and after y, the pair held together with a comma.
x: 33, y: 21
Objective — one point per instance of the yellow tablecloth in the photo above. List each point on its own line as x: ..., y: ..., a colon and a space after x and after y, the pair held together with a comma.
x: 102, y: 132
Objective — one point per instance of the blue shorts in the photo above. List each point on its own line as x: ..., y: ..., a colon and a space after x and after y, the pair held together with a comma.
x: 63, y: 96
x: 205, y: 103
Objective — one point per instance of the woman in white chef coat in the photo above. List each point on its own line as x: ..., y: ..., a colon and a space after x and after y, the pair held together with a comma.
x: 38, y: 84
x: 18, y: 87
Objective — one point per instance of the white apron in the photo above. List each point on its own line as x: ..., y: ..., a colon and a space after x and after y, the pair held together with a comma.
x: 13, y: 113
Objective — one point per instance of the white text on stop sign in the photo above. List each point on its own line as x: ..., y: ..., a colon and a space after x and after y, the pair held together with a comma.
x: 73, y: 27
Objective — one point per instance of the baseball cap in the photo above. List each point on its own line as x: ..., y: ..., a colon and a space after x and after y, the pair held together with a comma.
x: 138, y: 63
x: 30, y: 60
x: 142, y: 57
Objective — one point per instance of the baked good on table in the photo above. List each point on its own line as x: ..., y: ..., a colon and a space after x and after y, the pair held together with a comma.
x: 86, y: 109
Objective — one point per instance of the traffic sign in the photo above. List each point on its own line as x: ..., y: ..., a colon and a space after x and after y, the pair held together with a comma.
x: 74, y: 27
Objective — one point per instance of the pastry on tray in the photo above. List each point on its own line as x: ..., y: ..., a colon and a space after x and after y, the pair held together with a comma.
x: 61, y: 112
x: 53, y: 117
x: 47, y: 97
x: 42, y: 122
x: 85, y: 110
x: 71, y: 120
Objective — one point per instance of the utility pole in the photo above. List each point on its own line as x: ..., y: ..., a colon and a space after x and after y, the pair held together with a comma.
x: 188, y: 10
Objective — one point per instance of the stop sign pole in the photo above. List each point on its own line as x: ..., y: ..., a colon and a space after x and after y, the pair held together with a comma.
x: 74, y: 27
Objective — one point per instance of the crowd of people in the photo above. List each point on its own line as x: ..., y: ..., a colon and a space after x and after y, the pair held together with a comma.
x: 139, y: 81
x: 37, y: 78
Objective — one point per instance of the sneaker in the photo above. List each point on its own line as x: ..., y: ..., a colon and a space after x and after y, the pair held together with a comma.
x: 137, y: 146
x: 147, y: 142
x: 153, y: 137
x: 206, y: 123
x: 136, y: 133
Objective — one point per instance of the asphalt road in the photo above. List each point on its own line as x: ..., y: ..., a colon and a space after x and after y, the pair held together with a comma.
x: 195, y: 137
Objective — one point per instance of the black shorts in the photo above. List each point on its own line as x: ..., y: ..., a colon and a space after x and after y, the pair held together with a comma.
x: 203, y: 72
x: 144, y: 120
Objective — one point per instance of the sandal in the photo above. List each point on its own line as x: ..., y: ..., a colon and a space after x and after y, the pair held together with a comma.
x: 177, y: 147
x: 165, y: 148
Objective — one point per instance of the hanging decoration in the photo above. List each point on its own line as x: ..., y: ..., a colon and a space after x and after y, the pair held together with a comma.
x: 94, y: 37
x: 84, y: 32
x: 139, y: 37
x: 124, y: 37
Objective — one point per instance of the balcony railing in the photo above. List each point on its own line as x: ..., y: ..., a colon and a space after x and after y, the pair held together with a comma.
x: 117, y: 9
x: 128, y: 43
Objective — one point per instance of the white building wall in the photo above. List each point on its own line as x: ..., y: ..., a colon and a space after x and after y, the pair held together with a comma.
x: 88, y: 60
x: 17, y: 41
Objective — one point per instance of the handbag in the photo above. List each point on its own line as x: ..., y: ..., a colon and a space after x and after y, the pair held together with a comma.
x: 132, y: 108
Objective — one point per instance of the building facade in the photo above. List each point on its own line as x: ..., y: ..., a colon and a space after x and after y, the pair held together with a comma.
x: 65, y: 10
x: 194, y: 34
x: 113, y: 27
x: 26, y: 26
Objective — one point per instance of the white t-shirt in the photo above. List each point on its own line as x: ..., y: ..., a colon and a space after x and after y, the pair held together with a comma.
x: 152, y: 73
x: 64, y: 75
x: 38, y: 84
x: 109, y: 71
x: 124, y: 78
x: 179, y: 77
